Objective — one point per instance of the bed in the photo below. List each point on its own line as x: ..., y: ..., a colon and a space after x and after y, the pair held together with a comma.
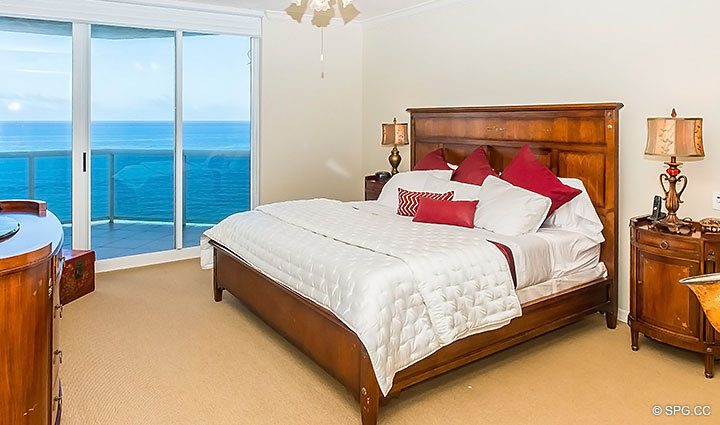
x: 576, y: 141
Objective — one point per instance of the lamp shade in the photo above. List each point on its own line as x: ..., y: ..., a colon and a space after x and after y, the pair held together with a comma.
x: 395, y: 133
x: 675, y: 136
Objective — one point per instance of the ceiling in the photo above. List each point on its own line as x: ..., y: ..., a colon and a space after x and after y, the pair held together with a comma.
x: 368, y: 8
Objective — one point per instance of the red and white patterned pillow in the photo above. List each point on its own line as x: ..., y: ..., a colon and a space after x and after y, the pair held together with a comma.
x: 408, y: 200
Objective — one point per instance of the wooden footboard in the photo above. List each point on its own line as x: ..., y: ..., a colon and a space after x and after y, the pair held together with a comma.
x: 338, y: 350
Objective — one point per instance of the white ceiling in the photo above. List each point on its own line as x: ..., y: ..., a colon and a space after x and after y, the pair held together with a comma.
x: 368, y: 8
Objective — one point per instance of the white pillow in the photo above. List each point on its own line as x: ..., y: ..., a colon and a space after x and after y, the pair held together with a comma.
x: 463, y: 191
x: 510, y: 210
x: 578, y: 215
x: 409, y: 180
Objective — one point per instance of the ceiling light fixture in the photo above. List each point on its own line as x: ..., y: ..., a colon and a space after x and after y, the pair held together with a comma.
x: 323, y: 12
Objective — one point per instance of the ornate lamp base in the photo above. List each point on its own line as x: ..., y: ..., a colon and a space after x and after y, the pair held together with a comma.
x: 684, y: 227
x: 671, y: 223
x: 394, y: 160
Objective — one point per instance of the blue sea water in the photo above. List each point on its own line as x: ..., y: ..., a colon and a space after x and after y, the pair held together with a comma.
x: 136, y: 160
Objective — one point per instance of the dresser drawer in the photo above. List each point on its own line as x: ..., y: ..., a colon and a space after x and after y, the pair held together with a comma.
x: 668, y: 242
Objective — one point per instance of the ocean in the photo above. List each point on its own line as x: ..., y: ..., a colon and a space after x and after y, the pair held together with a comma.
x: 132, y: 168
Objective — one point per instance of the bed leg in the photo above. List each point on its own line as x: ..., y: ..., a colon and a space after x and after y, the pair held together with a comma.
x: 217, y: 292
x: 369, y: 391
x: 217, y: 289
x: 611, y: 319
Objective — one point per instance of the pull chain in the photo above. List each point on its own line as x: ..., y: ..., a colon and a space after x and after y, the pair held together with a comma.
x: 322, y: 53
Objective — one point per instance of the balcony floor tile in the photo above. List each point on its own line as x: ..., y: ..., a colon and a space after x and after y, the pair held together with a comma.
x: 112, y: 240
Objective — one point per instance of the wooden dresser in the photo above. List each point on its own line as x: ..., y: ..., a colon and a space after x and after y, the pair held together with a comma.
x: 660, y: 307
x: 30, y: 267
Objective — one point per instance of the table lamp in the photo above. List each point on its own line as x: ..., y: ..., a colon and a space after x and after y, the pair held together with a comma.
x: 674, y: 137
x: 395, y: 134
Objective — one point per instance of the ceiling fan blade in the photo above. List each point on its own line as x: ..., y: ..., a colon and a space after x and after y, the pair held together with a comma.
x: 297, y: 11
x: 322, y: 19
x: 348, y: 12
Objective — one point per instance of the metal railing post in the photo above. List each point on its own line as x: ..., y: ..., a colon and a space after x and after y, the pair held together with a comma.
x: 31, y: 176
x: 111, y: 187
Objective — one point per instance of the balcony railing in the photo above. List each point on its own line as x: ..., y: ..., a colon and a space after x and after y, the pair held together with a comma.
x: 139, y: 183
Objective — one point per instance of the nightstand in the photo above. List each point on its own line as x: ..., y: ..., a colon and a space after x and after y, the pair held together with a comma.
x: 373, y: 187
x: 660, y: 307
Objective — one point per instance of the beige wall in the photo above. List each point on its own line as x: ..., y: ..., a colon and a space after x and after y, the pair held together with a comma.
x: 310, y: 127
x: 650, y: 55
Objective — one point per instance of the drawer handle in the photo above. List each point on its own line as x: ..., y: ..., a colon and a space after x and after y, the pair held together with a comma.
x: 664, y: 245
x: 58, y: 354
x: 59, y: 310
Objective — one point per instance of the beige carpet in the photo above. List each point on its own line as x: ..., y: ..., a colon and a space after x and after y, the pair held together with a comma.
x: 150, y: 347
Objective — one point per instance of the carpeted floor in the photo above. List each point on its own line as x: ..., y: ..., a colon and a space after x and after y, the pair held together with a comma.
x: 150, y: 347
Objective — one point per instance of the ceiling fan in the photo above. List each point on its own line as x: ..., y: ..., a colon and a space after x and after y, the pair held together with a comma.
x: 323, y: 11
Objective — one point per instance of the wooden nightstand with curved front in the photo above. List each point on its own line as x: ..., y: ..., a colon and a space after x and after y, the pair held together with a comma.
x: 661, y: 307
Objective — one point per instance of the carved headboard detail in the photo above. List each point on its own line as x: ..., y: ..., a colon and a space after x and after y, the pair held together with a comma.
x: 575, y: 140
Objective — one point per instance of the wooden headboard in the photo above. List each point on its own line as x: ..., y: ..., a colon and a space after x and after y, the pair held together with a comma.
x: 578, y: 141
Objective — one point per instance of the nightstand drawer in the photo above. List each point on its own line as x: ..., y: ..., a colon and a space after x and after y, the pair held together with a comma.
x: 668, y: 242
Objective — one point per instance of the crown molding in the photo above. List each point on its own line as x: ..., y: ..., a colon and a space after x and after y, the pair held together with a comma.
x: 408, y: 11
x: 397, y: 14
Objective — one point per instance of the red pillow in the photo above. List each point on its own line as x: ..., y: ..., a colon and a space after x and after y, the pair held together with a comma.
x: 527, y: 172
x: 408, y: 201
x: 474, y: 169
x: 435, y: 160
x: 454, y: 213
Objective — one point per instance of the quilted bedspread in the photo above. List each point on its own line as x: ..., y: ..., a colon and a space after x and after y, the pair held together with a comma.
x: 406, y: 289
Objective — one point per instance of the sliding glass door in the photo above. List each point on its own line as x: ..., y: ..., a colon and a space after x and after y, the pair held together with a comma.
x: 141, y: 136
x: 216, y: 130
x: 132, y: 140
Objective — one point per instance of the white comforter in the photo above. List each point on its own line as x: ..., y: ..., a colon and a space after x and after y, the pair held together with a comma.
x: 406, y: 289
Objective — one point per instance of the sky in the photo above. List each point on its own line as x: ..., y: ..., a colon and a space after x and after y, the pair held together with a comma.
x: 132, y: 77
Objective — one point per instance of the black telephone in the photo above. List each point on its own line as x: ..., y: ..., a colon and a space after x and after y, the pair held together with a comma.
x: 383, y: 175
x: 657, y: 213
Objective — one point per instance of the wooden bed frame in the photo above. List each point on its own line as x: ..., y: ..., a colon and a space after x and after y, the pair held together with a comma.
x: 573, y: 140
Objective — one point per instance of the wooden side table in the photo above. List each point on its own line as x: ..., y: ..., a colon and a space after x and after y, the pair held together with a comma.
x: 373, y: 187
x: 660, y: 307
